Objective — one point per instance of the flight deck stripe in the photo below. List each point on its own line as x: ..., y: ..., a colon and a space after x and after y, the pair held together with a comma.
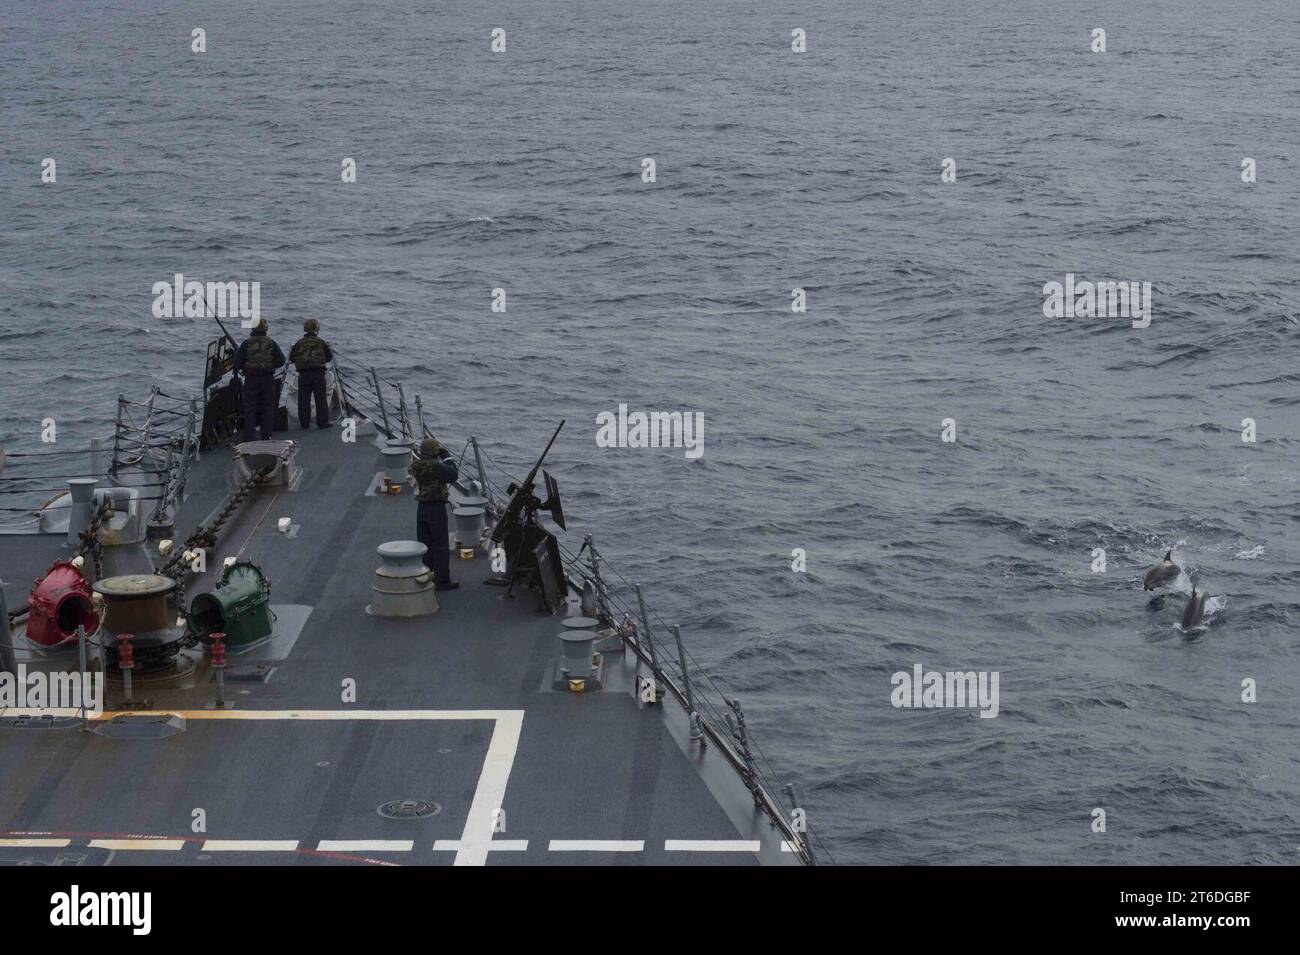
x: 492, y: 845
x: 490, y: 792
x: 35, y: 843
x: 365, y: 845
x: 250, y: 845
x: 146, y: 845
x: 711, y: 845
x: 596, y: 845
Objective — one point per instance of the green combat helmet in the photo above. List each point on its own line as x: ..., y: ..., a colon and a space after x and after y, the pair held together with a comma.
x: 309, y: 351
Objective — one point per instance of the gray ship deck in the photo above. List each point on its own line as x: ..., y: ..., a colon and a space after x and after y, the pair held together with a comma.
x: 455, y: 708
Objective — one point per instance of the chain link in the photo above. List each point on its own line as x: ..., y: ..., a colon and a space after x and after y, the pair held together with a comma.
x: 91, y: 548
x: 205, y: 536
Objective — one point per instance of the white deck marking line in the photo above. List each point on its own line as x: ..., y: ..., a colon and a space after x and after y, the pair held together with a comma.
x: 250, y: 845
x: 365, y: 845
x: 35, y: 843
x: 596, y: 845
x: 492, y: 845
x: 788, y: 846
x: 146, y: 845
x: 490, y: 793
x: 711, y: 845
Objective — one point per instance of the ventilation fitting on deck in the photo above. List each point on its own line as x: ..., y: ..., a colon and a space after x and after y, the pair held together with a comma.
x: 239, y: 606
x: 59, y: 604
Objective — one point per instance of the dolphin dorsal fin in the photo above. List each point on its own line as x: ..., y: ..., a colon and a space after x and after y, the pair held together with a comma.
x: 1169, y: 555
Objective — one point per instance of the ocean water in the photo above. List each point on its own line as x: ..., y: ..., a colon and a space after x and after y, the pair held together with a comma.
x: 775, y: 170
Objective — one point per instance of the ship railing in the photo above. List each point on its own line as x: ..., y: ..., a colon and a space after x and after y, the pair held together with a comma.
x: 158, y: 437
x: 381, y: 400
x: 150, y: 450
x: 384, y: 404
x: 712, y: 714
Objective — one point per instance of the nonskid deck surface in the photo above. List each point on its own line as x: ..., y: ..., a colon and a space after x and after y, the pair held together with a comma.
x: 453, y: 709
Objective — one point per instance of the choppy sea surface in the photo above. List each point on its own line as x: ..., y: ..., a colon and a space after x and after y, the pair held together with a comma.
x: 775, y: 170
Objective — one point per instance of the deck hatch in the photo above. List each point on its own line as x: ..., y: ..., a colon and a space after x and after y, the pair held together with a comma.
x: 409, y: 809
x: 142, y: 726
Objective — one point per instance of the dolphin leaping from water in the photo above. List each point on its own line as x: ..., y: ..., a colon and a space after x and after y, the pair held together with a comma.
x: 1195, y: 609
x: 1163, y: 573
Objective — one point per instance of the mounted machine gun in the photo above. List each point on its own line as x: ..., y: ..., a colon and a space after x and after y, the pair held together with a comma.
x: 532, y: 552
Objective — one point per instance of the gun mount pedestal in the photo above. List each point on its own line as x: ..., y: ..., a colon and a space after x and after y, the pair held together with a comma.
x: 531, y: 550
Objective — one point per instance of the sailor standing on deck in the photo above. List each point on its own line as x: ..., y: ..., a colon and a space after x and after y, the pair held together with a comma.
x: 433, y: 471
x: 310, y: 355
x: 257, y: 359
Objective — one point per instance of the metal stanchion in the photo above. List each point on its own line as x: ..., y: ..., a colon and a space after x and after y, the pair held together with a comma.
x: 697, y: 732
x: 219, y: 664
x: 7, y: 664
x: 126, y: 663
x: 81, y: 653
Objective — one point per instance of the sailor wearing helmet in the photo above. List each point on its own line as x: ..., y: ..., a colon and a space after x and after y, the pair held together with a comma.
x: 257, y: 359
x: 434, y: 471
x: 310, y: 355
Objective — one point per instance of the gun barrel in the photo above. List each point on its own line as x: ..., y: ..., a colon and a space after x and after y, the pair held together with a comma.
x: 207, y: 310
x: 233, y: 343
x: 532, y: 475
x: 525, y: 488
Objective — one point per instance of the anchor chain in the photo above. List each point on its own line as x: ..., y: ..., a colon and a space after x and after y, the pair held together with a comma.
x: 205, y: 536
x: 91, y: 546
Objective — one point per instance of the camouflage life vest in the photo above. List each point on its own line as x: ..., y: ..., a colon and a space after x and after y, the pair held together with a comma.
x: 259, y: 353
x: 308, y: 352
x: 428, y: 487
x: 429, y: 473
